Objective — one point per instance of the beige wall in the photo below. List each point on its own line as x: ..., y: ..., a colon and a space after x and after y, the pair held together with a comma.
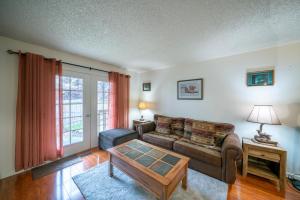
x: 8, y: 92
x: 228, y: 99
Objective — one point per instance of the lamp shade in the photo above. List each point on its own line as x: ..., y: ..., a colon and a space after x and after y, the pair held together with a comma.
x: 263, y: 114
x: 142, y: 106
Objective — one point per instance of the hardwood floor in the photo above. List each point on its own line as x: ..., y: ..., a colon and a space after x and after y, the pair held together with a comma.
x: 255, y: 188
x: 60, y: 185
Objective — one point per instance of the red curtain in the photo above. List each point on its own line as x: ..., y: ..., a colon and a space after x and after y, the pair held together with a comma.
x: 39, y: 104
x: 118, y: 100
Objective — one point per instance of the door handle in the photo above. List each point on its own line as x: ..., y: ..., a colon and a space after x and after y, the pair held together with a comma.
x: 88, y: 115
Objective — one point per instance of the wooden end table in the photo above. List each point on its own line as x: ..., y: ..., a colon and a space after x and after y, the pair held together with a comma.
x: 137, y: 122
x: 265, y: 161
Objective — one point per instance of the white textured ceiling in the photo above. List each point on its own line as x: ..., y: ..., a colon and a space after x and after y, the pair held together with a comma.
x: 152, y: 34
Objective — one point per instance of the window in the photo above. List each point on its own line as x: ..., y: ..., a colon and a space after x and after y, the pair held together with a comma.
x: 102, y: 105
x: 72, y: 91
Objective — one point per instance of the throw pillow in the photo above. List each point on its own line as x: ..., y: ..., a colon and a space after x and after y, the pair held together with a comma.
x: 156, y: 116
x: 203, y: 133
x: 219, y: 138
x: 177, y: 126
x: 163, y: 125
x: 222, y: 130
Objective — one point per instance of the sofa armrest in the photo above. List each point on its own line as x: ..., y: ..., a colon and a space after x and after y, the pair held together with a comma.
x: 145, y: 128
x: 231, y: 152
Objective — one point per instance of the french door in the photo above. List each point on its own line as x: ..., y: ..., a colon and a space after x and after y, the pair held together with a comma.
x: 85, y: 109
x: 76, y: 112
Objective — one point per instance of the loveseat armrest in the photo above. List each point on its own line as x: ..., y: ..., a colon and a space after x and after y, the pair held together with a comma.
x: 145, y: 128
x: 231, y: 152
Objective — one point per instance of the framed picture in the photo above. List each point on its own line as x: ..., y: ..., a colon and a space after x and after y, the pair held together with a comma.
x: 260, y: 78
x: 146, y: 86
x: 190, y: 89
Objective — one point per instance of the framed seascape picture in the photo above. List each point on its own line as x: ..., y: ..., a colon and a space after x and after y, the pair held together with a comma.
x: 146, y: 86
x: 190, y: 89
x: 260, y: 78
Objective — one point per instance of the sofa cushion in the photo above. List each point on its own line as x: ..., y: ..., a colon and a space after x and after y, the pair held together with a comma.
x: 216, y: 148
x: 177, y: 126
x: 165, y: 135
x: 205, y: 154
x: 163, y: 125
x: 203, y: 132
x: 162, y: 140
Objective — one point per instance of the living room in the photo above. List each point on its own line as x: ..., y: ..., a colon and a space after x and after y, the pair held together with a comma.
x: 150, y: 99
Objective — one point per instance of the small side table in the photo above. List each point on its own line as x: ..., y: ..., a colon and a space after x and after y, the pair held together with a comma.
x: 265, y: 161
x: 137, y: 122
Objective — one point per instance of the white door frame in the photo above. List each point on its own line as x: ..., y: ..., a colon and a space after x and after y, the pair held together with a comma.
x: 98, y: 76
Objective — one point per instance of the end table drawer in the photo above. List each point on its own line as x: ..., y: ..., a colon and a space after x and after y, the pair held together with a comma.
x: 264, y: 155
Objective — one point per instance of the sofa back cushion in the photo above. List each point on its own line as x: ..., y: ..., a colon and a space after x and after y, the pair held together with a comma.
x: 210, y: 133
x: 188, y: 128
x: 163, y: 125
x: 156, y: 116
x: 203, y: 132
x: 184, y: 126
x: 177, y: 126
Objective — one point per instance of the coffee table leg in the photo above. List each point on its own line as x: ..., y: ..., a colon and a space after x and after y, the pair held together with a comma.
x: 184, y: 180
x: 110, y: 166
x: 164, y: 195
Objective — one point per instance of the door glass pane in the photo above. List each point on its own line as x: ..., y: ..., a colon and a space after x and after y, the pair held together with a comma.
x: 76, y: 110
x: 66, y: 83
x: 76, y: 84
x: 76, y: 136
x: 76, y: 96
x: 66, y: 96
x: 102, y: 105
x: 72, y: 110
x: 66, y: 111
x: 76, y: 123
x: 66, y: 138
x: 66, y: 125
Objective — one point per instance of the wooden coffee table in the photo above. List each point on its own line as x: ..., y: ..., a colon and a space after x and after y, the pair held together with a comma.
x: 157, y: 170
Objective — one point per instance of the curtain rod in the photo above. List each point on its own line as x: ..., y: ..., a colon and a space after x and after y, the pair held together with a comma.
x: 76, y: 65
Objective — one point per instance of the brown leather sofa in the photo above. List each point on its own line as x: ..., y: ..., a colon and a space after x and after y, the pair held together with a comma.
x: 219, y: 163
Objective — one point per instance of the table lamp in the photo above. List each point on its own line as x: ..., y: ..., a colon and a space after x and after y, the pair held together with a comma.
x: 142, y: 106
x: 263, y: 114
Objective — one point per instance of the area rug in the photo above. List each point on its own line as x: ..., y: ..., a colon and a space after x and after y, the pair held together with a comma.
x: 95, y: 184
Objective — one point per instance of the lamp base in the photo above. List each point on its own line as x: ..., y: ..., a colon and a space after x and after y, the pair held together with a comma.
x: 142, y: 118
x: 264, y: 140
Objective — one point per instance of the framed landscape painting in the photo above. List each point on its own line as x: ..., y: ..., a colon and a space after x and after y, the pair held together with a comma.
x: 260, y: 78
x: 190, y: 89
